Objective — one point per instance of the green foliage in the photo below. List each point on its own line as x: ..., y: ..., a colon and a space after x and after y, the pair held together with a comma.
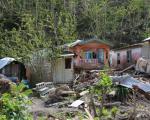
x: 3, y: 117
x: 26, y: 26
x: 13, y: 105
x: 105, y: 112
x: 114, y: 110
x: 31, y: 26
x: 119, y: 21
x: 103, y: 86
x: 105, y: 80
x: 122, y: 93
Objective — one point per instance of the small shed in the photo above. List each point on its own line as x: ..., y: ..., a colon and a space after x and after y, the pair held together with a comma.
x: 64, y: 70
x: 45, y: 69
x: 12, y: 68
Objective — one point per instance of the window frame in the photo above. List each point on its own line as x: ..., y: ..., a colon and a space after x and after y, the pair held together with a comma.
x: 118, y: 59
x: 68, y: 63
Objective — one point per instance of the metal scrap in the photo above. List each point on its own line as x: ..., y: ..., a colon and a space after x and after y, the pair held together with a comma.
x: 129, y: 82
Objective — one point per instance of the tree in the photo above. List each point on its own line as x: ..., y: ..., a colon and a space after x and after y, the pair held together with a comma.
x: 102, y: 89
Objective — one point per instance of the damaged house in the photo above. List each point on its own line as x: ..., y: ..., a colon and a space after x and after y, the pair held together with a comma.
x: 12, y: 69
x: 79, y: 55
x: 89, y: 54
x: 125, y: 56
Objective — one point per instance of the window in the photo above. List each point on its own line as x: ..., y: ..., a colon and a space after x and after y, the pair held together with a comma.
x: 129, y: 56
x: 118, y: 58
x: 94, y: 55
x: 88, y: 55
x: 68, y: 63
x: 101, y: 56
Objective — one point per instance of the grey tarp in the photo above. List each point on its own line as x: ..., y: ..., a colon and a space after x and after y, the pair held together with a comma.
x: 5, y: 61
x: 128, y: 81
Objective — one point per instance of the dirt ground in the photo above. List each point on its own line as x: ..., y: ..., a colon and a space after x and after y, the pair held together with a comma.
x: 142, y: 110
x: 38, y: 108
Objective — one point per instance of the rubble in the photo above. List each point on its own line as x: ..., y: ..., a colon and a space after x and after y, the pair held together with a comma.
x: 63, y: 96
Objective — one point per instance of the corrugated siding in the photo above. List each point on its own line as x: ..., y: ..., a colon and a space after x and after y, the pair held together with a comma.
x: 146, y: 51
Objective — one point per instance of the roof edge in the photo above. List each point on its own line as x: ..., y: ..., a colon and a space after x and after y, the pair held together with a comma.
x: 129, y: 46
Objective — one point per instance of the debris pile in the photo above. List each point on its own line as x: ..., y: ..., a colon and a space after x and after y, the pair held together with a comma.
x: 60, y: 94
x: 85, y: 80
x: 78, y: 97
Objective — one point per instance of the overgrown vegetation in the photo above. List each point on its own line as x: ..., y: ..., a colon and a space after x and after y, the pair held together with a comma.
x: 102, y: 89
x: 14, y: 104
x: 27, y: 26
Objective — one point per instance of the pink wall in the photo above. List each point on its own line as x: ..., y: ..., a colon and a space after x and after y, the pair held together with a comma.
x: 136, y: 53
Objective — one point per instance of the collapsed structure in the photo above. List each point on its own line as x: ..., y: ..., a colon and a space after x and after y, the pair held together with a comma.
x: 76, y: 66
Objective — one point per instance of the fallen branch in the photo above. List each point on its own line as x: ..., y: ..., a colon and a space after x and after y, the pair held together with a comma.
x: 128, y: 68
x: 108, y: 104
x: 88, y: 113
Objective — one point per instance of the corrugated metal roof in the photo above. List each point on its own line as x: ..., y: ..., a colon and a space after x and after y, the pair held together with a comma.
x: 128, y: 81
x: 5, y: 61
x: 81, y: 42
x: 74, y: 43
x: 147, y: 39
x: 66, y: 55
x: 129, y: 46
x: 97, y: 40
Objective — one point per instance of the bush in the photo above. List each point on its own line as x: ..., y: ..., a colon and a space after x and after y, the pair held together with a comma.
x: 13, y: 104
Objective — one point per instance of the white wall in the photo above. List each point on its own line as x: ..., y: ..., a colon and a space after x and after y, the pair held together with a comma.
x: 62, y: 75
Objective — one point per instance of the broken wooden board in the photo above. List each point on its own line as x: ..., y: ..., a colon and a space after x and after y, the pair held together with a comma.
x: 76, y: 103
